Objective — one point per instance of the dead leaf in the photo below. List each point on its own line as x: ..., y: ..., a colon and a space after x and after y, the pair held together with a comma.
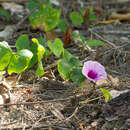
x: 4, y: 92
x: 50, y: 35
x: 7, y: 32
x: 29, y: 91
x: 86, y: 14
x: 102, y: 83
x: 107, y: 21
x: 98, y: 11
x: 67, y: 39
x: 114, y: 81
x: 13, y: 7
x: 57, y: 113
x: 120, y: 16
x: 30, y: 100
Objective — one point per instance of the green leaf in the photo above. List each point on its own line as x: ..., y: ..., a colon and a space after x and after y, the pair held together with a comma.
x: 40, y: 70
x: 5, y: 54
x: 67, y: 63
x: 76, y: 18
x: 77, y: 37
x: 64, y: 68
x: 34, y: 59
x: 23, y: 42
x: 63, y: 25
x: 75, y: 62
x: 92, y: 43
x: 106, y: 94
x: 67, y: 55
x: 57, y: 48
x: 40, y: 53
x: 5, y: 13
x: 45, y: 16
x: 33, y: 4
x: 77, y: 76
x: 83, y: 11
x: 20, y: 61
x: 42, y: 41
x: 92, y: 17
x: 71, y: 59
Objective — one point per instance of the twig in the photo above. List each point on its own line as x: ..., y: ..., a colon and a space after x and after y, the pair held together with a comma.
x: 119, y: 32
x: 73, y: 114
x: 100, y: 37
x: 37, y: 127
x: 39, y: 102
x: 43, y: 102
x: 94, y: 99
x: 50, y: 66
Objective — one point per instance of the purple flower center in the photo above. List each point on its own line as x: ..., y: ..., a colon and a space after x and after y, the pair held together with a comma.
x: 92, y: 74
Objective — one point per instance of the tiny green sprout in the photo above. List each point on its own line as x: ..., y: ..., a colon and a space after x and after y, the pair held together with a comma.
x: 106, y: 94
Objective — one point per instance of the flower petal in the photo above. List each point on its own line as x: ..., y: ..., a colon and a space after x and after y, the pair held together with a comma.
x: 94, y: 67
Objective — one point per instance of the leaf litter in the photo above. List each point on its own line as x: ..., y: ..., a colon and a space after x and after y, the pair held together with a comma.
x: 52, y: 103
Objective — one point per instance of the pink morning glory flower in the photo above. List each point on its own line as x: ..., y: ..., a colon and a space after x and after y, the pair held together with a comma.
x: 94, y: 71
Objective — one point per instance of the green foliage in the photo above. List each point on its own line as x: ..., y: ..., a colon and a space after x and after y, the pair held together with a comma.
x: 33, y: 4
x: 63, y: 24
x: 76, y: 18
x: 106, y: 94
x: 57, y: 48
x: 5, y: 54
x: 5, y: 13
x: 78, y: 37
x: 82, y: 11
x: 67, y: 63
x: 77, y: 76
x: 43, y: 42
x: 92, y: 16
x: 92, y: 43
x: 64, y: 68
x: 23, y: 42
x: 40, y: 53
x: 45, y: 16
x: 19, y: 61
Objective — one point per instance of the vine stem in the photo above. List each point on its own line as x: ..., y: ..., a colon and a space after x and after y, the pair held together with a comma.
x: 87, y: 101
x: 50, y: 66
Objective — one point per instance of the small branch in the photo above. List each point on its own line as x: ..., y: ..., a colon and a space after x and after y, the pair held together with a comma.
x: 100, y: 37
x: 50, y: 66
x: 39, y: 102
x: 87, y: 101
x: 43, y: 102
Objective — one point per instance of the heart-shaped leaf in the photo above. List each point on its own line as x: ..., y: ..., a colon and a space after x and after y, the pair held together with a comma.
x: 76, y: 18
x: 64, y: 68
x: 20, y: 61
x: 23, y: 42
x: 57, y: 48
x: 63, y: 25
x: 77, y: 76
x: 5, y: 54
x: 45, y: 17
